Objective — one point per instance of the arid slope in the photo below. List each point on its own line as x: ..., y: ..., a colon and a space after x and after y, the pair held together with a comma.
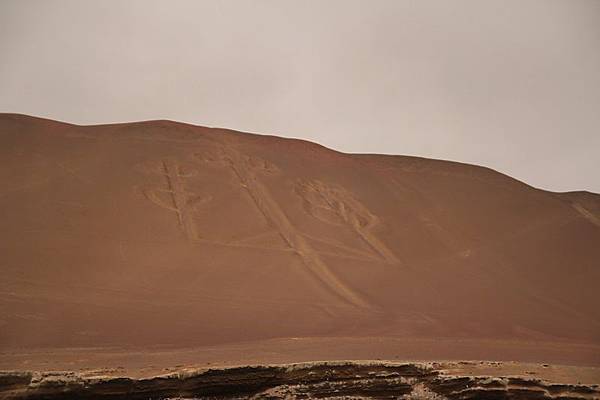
x: 165, y: 235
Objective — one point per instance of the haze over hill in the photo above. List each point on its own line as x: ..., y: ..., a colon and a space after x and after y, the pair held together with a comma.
x: 515, y: 87
x: 162, y: 235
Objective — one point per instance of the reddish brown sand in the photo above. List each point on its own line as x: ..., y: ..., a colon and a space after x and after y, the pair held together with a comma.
x: 153, y: 244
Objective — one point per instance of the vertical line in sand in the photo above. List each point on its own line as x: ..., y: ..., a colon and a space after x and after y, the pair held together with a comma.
x: 178, y: 196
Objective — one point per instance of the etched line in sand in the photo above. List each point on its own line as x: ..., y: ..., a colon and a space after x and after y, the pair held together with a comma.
x: 258, y: 236
x: 586, y: 214
x: 358, y: 254
x: 335, y: 204
x: 245, y: 172
x: 180, y: 200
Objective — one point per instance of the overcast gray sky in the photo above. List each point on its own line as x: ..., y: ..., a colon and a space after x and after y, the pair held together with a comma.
x: 509, y: 84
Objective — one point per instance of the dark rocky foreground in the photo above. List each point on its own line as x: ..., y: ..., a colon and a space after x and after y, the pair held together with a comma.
x: 343, y: 380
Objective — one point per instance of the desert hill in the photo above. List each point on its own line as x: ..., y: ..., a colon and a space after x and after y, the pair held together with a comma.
x: 166, y: 235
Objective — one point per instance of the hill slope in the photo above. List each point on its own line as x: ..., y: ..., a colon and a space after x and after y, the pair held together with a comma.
x: 165, y: 234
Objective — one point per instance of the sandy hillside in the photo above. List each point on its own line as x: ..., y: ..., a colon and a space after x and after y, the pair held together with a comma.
x: 160, y: 235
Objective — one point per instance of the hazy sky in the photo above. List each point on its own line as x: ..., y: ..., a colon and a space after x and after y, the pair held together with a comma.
x: 513, y: 85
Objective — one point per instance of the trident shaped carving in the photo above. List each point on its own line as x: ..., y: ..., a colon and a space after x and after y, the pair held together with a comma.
x: 179, y: 200
x: 248, y: 170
